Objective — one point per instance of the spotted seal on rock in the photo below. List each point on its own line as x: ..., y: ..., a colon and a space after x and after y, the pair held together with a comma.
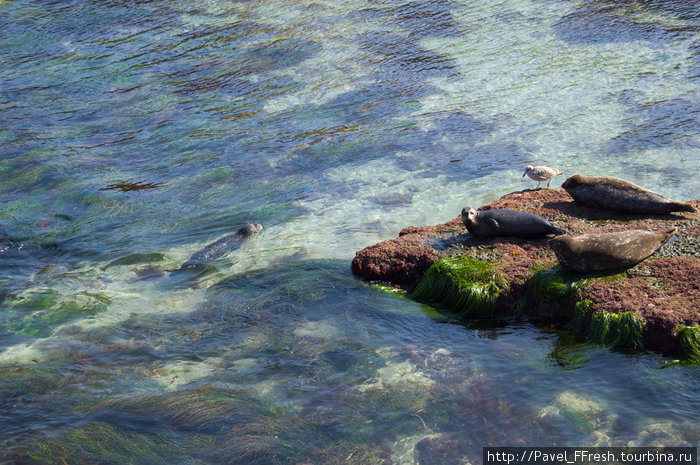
x: 503, y: 222
x: 608, y: 251
x: 221, y: 247
x: 620, y: 195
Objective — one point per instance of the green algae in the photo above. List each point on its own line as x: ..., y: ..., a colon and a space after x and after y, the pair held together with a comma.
x: 417, y: 308
x: 619, y: 330
x: 340, y: 453
x: 582, y: 311
x: 630, y: 328
x: 520, y: 306
x: 22, y: 381
x: 39, y: 313
x: 585, y: 413
x: 100, y: 442
x: 203, y: 409
x: 137, y: 259
x: 602, y: 327
x: 40, y: 300
x: 689, y: 340
x: 554, y: 288
x: 16, y: 179
x: 388, y: 289
x: 567, y: 351
x: 240, y: 424
x: 466, y: 285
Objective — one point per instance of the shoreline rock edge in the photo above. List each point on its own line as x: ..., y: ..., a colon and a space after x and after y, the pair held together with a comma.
x: 658, y: 298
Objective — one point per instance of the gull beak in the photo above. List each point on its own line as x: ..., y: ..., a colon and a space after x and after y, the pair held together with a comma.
x: 524, y: 173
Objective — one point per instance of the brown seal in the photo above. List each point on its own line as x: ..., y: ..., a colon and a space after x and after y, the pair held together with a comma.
x: 620, y: 195
x: 608, y: 251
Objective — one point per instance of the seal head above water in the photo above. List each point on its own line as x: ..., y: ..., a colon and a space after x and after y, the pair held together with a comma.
x: 503, y: 222
x: 608, y: 251
x: 620, y: 195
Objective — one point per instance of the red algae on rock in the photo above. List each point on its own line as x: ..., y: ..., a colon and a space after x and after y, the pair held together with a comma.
x: 402, y: 261
x: 663, y: 290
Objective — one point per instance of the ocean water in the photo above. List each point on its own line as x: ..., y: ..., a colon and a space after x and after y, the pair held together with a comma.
x: 134, y: 133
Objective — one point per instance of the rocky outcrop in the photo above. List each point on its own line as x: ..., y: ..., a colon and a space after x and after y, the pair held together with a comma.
x: 659, y: 297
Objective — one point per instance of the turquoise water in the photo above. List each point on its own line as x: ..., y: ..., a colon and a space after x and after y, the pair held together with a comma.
x: 135, y: 133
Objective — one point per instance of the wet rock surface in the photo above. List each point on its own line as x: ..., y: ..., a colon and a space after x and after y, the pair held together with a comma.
x: 664, y: 289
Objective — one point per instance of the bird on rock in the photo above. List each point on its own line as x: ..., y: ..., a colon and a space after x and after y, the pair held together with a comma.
x: 541, y: 173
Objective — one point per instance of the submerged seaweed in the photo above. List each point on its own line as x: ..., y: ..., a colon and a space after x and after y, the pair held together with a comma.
x: 39, y: 313
x: 126, y: 186
x: 463, y: 284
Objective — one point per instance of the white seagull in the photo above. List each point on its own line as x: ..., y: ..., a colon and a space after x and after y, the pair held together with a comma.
x: 541, y: 173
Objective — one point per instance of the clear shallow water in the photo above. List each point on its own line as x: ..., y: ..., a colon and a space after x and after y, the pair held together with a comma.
x: 334, y: 125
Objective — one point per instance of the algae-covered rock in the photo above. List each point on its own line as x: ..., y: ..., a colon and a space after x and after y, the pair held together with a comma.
x: 659, y: 434
x: 661, y: 293
x: 402, y: 374
x: 468, y: 286
x: 585, y: 412
x: 554, y: 290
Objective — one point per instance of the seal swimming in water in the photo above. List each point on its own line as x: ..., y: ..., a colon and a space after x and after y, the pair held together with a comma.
x: 503, y: 222
x: 221, y: 247
x: 541, y: 173
x: 608, y: 251
x: 620, y: 195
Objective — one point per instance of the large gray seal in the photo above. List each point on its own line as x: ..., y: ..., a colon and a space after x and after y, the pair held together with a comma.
x: 503, y: 222
x: 221, y: 247
x: 620, y: 195
x: 608, y: 251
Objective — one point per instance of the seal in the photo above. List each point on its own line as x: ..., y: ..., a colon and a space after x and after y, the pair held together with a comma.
x: 608, y: 251
x: 503, y: 222
x: 620, y: 195
x: 221, y: 247
x: 541, y: 173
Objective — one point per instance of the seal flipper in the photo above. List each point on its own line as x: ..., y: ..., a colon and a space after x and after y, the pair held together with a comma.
x: 493, y: 225
x: 556, y: 231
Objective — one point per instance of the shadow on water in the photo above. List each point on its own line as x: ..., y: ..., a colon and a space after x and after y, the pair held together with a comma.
x: 658, y: 124
x: 614, y: 21
x: 420, y: 19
